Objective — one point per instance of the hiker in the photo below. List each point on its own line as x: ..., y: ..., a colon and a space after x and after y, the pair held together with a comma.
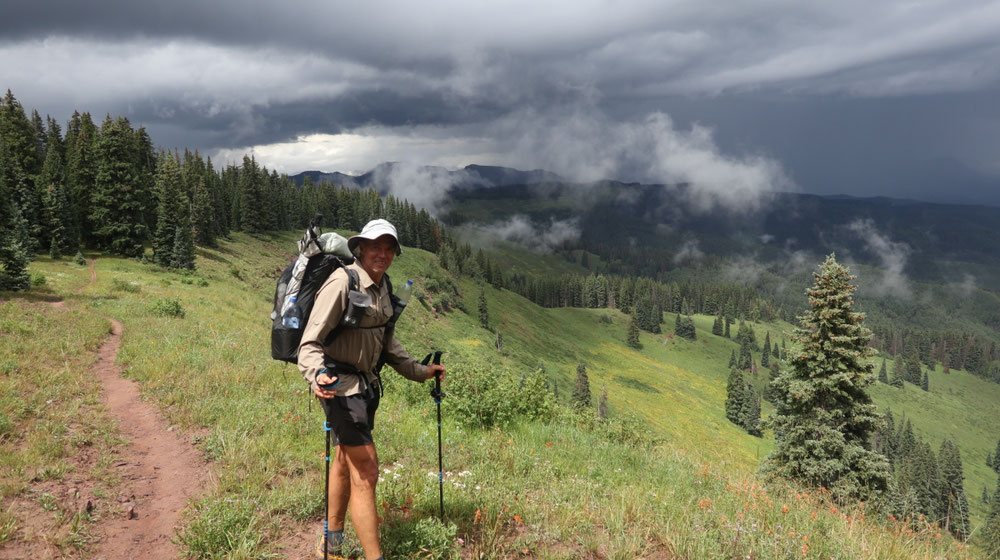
x: 350, y: 360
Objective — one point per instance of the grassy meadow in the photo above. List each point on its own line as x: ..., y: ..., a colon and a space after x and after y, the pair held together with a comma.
x: 667, y: 476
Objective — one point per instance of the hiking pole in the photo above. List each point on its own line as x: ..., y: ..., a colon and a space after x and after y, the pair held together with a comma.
x: 438, y: 394
x: 326, y: 490
x: 326, y: 484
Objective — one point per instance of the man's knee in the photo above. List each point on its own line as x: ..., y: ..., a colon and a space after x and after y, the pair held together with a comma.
x: 364, y: 466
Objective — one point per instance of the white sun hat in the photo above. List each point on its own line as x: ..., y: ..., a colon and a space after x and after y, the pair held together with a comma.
x: 373, y: 230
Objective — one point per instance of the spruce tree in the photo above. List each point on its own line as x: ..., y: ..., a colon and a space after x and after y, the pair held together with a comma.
x: 484, y: 310
x: 732, y: 359
x: 765, y: 360
x: 717, y: 327
x: 898, y: 372
x: 996, y: 458
x: 169, y: 187
x: 14, y: 243
x: 913, y: 370
x: 728, y: 322
x: 735, y: 395
x: 750, y: 411
x: 991, y: 529
x: 767, y: 348
x: 955, y: 503
x: 182, y: 252
x: 22, y: 153
x: 824, y: 417
x: 745, y: 359
x: 59, y: 234
x: 116, y: 207
x: 883, y: 376
x: 925, y: 383
x: 81, y: 172
x: 633, y: 334
x: 581, y: 391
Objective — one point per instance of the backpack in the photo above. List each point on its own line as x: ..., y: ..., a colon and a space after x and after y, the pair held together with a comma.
x: 319, y: 256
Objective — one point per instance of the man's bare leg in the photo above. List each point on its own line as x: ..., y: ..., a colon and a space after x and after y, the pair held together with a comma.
x: 362, y: 464
x: 340, y: 490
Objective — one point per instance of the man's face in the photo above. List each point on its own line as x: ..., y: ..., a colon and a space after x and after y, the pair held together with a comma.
x: 377, y: 255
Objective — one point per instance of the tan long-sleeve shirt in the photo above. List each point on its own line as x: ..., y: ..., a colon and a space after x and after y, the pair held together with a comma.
x: 359, y: 347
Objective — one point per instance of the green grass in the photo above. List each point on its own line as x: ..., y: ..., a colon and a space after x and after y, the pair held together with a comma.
x: 560, y: 488
x: 53, y: 429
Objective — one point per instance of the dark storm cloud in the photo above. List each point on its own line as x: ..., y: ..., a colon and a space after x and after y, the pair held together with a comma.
x: 851, y: 96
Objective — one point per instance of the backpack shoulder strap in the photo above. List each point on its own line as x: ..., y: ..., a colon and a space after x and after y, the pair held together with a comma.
x: 353, y: 283
x: 353, y: 279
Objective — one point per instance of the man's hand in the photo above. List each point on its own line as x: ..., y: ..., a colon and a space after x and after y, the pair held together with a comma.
x: 434, y: 369
x: 324, y: 379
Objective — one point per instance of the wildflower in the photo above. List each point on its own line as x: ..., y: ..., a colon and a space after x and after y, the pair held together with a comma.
x: 784, y: 508
x: 705, y: 504
x: 833, y: 509
x: 517, y: 519
x: 548, y: 444
x: 478, y: 517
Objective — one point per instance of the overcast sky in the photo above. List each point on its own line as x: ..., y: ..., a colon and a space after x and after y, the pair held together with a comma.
x: 865, y: 98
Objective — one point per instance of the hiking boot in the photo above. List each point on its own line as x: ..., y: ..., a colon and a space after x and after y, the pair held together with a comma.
x: 333, y: 551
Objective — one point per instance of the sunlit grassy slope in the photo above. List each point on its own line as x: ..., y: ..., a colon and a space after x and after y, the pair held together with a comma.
x: 550, y: 490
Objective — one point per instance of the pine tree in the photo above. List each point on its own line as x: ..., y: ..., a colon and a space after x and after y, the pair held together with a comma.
x: 484, y: 310
x: 633, y: 334
x: 883, y: 376
x: 728, y: 322
x: 765, y: 360
x: 767, y: 349
x: 925, y: 383
x: 824, y: 417
x: 913, y: 370
x: 581, y: 391
x: 732, y: 359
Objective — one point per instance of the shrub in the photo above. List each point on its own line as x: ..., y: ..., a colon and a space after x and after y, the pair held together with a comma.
x: 37, y: 279
x: 427, y: 538
x: 79, y: 259
x: 488, y: 396
x: 119, y: 285
x: 170, y: 307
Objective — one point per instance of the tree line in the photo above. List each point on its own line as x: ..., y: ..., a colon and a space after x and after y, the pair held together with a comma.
x: 107, y: 188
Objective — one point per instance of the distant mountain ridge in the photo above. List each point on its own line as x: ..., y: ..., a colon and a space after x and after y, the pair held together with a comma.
x: 470, y: 176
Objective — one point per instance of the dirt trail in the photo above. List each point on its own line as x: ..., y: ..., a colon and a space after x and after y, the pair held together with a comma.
x: 160, y: 470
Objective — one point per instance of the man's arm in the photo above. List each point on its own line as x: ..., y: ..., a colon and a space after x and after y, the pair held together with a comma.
x: 328, y: 308
x: 405, y: 364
